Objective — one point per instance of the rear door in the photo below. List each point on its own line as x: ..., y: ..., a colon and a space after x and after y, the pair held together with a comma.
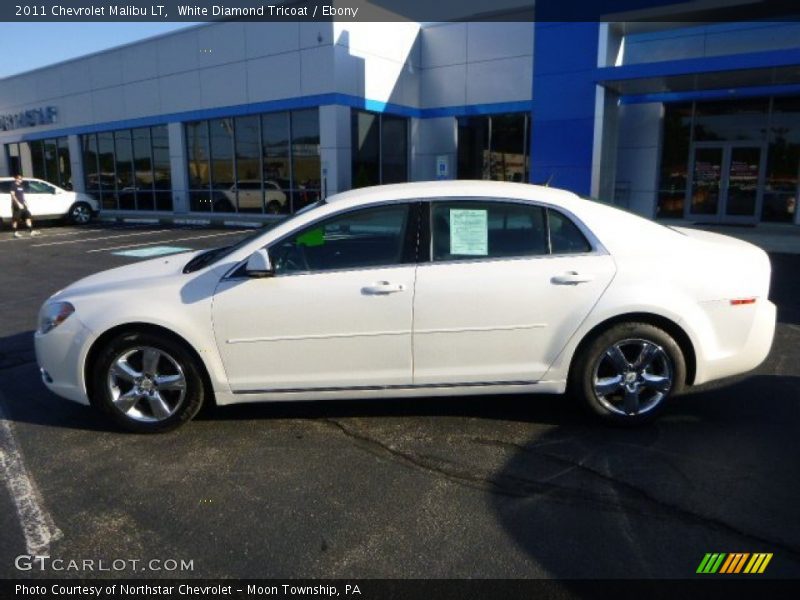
x: 507, y: 285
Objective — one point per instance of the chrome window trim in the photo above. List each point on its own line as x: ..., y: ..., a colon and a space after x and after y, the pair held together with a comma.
x: 597, y: 247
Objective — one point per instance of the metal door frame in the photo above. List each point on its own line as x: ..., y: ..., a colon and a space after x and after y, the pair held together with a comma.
x: 721, y: 215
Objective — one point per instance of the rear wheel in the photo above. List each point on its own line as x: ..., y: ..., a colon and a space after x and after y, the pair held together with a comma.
x: 80, y: 213
x: 626, y: 374
x: 147, y: 382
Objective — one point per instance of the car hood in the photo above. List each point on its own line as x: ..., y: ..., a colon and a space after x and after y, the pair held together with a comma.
x: 136, y: 276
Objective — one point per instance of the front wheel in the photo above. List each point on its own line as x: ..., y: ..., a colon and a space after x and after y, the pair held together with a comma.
x: 626, y: 374
x: 80, y: 213
x: 147, y: 383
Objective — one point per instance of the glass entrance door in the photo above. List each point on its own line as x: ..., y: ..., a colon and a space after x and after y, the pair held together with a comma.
x: 726, y: 182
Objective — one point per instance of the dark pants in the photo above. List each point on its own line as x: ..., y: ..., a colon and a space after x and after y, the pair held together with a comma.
x: 19, y: 214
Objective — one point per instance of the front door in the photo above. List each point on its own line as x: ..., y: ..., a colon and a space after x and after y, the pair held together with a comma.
x: 336, y: 315
x: 726, y: 182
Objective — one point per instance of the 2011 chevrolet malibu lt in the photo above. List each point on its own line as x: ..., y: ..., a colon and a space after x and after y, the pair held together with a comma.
x: 414, y: 290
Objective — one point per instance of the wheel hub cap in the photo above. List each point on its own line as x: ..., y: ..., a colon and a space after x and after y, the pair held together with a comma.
x: 632, y: 377
x: 146, y: 384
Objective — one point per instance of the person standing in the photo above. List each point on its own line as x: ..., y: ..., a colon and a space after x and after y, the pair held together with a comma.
x: 19, y: 208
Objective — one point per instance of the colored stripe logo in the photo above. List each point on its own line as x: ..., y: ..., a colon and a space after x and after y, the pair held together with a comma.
x: 735, y: 562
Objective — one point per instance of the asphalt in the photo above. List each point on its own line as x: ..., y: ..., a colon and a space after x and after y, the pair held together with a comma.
x: 481, y: 487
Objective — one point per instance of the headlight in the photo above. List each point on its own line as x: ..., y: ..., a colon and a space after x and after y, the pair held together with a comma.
x: 54, y: 314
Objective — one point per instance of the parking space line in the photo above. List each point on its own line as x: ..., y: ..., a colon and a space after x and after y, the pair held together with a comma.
x: 98, y: 239
x: 37, y: 524
x: 194, y: 237
x: 82, y: 230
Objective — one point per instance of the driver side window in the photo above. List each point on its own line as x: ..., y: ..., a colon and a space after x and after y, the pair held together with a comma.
x: 371, y: 237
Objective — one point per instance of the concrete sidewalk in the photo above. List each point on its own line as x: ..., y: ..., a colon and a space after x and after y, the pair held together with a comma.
x: 773, y: 237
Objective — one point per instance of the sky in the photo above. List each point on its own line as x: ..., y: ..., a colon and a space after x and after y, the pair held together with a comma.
x: 27, y: 46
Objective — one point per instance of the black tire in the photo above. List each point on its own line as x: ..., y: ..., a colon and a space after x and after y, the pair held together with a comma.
x: 274, y: 207
x: 635, y: 392
x: 80, y: 213
x: 178, y: 406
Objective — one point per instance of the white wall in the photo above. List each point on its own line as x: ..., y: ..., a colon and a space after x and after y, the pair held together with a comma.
x: 476, y: 63
x: 638, y: 156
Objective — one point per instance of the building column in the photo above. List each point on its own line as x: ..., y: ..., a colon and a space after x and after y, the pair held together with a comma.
x: 335, y: 150
x: 4, y: 162
x: 178, y: 170
x: 432, y: 139
x: 565, y: 97
x: 76, y: 163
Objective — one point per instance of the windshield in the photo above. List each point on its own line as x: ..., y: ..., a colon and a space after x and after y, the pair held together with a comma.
x: 210, y: 257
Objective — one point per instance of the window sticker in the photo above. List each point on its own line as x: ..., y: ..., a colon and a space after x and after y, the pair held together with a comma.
x: 312, y: 238
x: 469, y: 232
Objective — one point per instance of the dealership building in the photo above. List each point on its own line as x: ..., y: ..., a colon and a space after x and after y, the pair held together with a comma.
x: 241, y: 120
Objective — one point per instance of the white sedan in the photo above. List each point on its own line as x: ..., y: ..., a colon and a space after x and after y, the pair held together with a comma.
x: 414, y: 290
x: 48, y: 201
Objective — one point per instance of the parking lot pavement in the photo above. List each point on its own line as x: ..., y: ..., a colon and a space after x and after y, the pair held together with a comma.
x: 463, y: 487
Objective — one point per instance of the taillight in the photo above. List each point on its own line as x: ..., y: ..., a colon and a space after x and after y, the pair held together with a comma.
x: 740, y: 301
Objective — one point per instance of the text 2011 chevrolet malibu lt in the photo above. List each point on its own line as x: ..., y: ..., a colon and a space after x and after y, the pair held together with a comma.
x: 414, y: 290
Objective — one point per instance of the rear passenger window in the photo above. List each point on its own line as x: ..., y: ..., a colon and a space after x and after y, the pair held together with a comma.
x: 5, y: 187
x: 565, y: 237
x: 470, y: 230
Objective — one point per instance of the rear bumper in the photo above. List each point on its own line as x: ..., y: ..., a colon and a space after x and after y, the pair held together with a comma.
x: 747, y: 356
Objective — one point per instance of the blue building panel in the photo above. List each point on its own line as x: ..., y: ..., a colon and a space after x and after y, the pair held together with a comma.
x: 562, y: 132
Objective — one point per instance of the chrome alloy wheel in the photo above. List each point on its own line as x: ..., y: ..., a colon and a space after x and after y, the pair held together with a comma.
x: 81, y: 214
x: 146, y: 384
x: 632, y: 377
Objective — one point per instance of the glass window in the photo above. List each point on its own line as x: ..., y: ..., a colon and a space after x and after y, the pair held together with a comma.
x: 14, y: 164
x: 142, y: 176
x: 494, y: 147
x: 394, y: 149
x: 107, y: 177
x: 674, y: 160
x: 197, y: 151
x: 222, y: 168
x: 783, y: 162
x: 37, y: 159
x: 380, y: 148
x: 372, y: 237
x: 565, y: 237
x: 465, y: 230
x: 305, y: 158
x: 38, y: 187
x: 162, y: 169
x: 123, y: 158
x: 473, y: 148
x: 64, y: 166
x: 277, y: 164
x: 248, y: 165
x: 366, y: 149
x: 50, y: 148
x: 731, y: 120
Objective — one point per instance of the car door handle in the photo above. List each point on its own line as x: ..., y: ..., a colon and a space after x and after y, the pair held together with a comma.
x: 383, y: 287
x: 570, y: 278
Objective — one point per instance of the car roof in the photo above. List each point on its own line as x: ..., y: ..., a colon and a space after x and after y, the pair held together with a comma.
x: 488, y: 190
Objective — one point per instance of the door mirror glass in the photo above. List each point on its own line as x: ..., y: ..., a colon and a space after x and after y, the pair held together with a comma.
x: 259, y: 265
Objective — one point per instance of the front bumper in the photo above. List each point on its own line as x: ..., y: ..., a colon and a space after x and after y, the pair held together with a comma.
x: 60, y: 354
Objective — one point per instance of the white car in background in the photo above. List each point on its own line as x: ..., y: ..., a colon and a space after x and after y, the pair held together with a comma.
x: 250, y: 197
x: 414, y: 290
x: 47, y: 201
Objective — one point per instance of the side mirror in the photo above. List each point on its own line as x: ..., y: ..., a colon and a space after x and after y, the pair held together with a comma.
x: 259, y: 265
